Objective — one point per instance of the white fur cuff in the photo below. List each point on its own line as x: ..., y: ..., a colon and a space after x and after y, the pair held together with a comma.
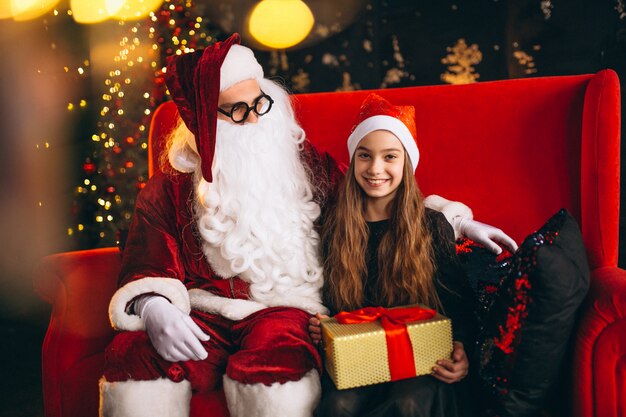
x: 450, y: 209
x: 311, y: 303
x: 170, y: 288
x: 231, y: 308
x: 157, y: 398
x: 291, y: 399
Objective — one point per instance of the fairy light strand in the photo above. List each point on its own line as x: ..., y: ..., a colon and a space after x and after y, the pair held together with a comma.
x: 116, y: 169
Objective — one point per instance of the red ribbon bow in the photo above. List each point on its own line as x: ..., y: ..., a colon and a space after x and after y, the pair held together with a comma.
x: 393, y: 320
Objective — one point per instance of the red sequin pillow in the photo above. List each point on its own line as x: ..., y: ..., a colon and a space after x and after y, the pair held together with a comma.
x: 526, y: 315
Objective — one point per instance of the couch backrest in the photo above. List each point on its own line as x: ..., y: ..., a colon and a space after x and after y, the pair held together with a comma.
x: 515, y: 151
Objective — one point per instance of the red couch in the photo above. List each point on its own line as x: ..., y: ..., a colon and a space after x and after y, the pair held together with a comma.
x: 515, y: 151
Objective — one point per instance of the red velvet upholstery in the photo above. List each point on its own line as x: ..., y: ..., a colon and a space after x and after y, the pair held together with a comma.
x: 79, y: 285
x: 515, y: 151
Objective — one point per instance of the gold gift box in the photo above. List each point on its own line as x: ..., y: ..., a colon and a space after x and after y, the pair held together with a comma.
x: 356, y: 354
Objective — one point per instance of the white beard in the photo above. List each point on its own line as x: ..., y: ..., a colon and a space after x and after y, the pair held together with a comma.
x: 256, y: 218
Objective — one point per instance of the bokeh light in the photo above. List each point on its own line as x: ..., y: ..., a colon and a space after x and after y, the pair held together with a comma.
x: 94, y: 11
x: 5, y: 10
x: 137, y: 9
x: 281, y: 24
x: 22, y: 10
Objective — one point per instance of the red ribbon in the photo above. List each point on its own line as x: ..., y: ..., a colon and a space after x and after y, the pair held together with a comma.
x: 393, y: 320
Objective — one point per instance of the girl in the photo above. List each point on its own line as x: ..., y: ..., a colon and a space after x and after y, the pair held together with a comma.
x: 382, y: 247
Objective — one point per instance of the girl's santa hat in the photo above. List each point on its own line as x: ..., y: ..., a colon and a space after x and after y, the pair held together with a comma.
x: 376, y: 113
x: 195, y: 81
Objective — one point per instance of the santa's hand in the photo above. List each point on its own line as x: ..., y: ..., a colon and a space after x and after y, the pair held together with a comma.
x: 173, y: 333
x: 484, y: 234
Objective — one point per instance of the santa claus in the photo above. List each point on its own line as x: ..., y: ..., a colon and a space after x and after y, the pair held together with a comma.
x: 221, y: 270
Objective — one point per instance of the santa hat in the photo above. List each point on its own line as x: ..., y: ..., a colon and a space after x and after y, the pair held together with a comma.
x: 195, y: 81
x: 376, y: 113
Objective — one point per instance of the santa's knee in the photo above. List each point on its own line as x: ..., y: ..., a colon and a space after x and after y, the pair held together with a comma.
x: 126, y: 342
x: 282, y: 363
x: 280, y: 321
x: 274, y: 349
x: 131, y: 356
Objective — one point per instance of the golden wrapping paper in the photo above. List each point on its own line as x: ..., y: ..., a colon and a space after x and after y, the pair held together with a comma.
x: 356, y: 354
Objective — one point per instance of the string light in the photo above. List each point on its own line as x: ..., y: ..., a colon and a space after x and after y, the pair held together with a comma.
x: 132, y: 88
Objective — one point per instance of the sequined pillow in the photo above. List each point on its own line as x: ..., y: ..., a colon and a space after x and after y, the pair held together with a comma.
x: 527, y: 320
x: 485, y: 273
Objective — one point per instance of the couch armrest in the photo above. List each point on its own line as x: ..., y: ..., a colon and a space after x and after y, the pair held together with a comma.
x: 79, y: 285
x: 600, y: 351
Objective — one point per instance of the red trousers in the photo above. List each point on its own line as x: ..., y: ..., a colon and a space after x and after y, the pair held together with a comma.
x: 271, y: 345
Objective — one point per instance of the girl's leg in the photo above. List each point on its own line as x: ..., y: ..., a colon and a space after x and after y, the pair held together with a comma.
x: 345, y: 403
x: 417, y: 397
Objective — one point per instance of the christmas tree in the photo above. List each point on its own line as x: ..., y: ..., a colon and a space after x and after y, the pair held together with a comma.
x: 116, y: 168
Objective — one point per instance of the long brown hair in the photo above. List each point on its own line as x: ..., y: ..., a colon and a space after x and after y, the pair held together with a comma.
x: 405, y: 254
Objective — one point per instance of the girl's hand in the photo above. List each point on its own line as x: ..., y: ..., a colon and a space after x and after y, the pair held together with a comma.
x: 450, y: 371
x: 315, y: 329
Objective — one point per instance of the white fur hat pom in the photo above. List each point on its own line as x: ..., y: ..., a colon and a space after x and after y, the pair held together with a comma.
x: 239, y: 65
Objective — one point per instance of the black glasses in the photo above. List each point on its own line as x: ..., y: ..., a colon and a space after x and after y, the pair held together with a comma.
x: 240, y: 111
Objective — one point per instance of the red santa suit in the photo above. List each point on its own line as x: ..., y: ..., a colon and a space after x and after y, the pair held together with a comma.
x: 164, y: 255
x: 257, y: 320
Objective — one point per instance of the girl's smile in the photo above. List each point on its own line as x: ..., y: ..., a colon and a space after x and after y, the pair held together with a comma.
x: 376, y: 182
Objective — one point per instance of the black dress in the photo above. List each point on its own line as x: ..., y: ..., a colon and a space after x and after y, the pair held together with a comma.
x: 422, y: 396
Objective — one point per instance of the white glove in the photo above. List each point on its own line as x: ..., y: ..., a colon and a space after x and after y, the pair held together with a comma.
x: 484, y: 234
x: 173, y: 333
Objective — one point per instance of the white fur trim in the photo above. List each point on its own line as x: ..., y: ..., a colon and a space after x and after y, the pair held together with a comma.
x: 231, y: 308
x: 170, y: 288
x: 450, y: 209
x: 307, y: 302
x: 291, y: 399
x: 239, y: 65
x: 393, y: 125
x: 157, y: 398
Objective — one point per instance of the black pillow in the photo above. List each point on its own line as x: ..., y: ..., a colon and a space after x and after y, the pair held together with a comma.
x: 527, y: 305
x: 485, y: 274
